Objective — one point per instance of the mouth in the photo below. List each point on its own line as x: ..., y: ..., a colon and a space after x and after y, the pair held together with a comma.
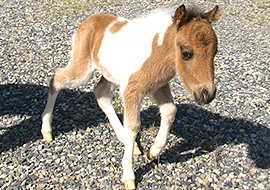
x: 204, y: 97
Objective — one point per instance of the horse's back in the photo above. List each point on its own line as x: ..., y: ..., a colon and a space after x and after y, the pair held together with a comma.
x: 89, y: 35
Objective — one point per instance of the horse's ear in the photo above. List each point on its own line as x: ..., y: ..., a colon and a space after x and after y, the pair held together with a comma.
x: 180, y: 16
x: 212, y: 15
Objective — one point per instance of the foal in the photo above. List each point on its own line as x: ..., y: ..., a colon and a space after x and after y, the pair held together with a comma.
x: 141, y: 56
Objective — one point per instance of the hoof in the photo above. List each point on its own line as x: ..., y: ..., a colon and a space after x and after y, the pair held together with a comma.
x: 149, y: 155
x: 129, y: 184
x: 47, y: 136
x: 137, y: 151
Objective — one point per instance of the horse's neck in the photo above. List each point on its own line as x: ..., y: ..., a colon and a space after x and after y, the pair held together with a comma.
x: 159, y: 68
x: 166, y: 53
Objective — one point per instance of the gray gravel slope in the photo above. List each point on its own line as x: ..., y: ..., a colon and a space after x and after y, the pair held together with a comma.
x: 224, y: 145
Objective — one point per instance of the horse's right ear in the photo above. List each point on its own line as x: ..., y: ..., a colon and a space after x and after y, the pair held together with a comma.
x: 212, y: 15
x: 180, y: 16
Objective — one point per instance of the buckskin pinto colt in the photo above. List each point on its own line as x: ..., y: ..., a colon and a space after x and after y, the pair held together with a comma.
x: 140, y: 56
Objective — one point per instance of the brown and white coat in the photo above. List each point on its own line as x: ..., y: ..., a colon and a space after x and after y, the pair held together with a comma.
x: 140, y: 56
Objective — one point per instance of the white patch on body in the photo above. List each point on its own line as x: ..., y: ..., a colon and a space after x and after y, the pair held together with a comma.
x: 73, y: 43
x: 124, y: 52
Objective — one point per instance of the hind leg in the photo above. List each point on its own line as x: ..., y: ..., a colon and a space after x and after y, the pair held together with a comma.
x: 75, y: 74
x: 46, y: 129
x: 104, y: 95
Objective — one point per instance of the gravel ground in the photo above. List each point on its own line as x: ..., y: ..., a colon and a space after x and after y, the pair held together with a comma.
x: 224, y: 145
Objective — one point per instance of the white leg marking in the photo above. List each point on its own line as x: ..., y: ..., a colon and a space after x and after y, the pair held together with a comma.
x: 167, y: 111
x: 132, y: 125
x: 48, y: 113
x: 166, y: 122
x: 127, y: 161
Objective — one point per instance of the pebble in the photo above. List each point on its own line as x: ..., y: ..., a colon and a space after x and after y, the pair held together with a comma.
x: 216, y: 171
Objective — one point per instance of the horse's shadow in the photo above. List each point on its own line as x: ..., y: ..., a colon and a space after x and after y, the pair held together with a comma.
x: 199, y: 128
x: 24, y: 104
x: 205, y: 132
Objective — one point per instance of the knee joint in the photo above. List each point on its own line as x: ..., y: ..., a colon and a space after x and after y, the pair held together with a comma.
x: 133, y: 126
x: 168, y: 111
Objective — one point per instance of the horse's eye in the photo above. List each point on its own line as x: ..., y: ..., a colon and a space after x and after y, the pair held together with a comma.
x: 186, y: 55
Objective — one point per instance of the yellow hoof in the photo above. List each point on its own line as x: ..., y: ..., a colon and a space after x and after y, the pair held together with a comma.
x: 47, y: 136
x: 149, y: 155
x: 129, y: 184
x: 137, y: 151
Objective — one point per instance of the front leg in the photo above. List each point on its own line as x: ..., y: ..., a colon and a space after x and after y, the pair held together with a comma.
x: 104, y: 94
x: 127, y: 162
x: 132, y: 103
x: 168, y: 110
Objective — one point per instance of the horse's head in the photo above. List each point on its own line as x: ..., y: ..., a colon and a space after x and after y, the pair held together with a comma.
x: 196, y: 45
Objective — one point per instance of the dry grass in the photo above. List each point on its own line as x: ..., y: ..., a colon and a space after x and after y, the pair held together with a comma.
x: 68, y: 7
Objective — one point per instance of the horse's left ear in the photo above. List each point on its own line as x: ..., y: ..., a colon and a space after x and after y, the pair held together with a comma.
x: 180, y: 16
x: 212, y: 15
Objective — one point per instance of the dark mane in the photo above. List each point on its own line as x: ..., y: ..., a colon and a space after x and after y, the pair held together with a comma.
x: 183, y: 16
x: 193, y: 12
x: 196, y: 12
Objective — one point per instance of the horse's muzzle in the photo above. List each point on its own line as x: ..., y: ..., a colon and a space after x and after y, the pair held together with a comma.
x: 204, y: 96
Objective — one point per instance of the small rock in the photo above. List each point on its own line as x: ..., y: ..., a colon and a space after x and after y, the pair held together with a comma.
x: 216, y: 171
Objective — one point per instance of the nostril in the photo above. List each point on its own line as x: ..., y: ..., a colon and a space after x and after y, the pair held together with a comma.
x: 205, y: 95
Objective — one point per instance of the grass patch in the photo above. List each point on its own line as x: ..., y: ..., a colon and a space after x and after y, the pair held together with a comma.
x: 264, y: 6
x: 261, y: 5
x: 261, y: 20
x: 67, y: 7
x: 117, y: 104
x: 249, y: 17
